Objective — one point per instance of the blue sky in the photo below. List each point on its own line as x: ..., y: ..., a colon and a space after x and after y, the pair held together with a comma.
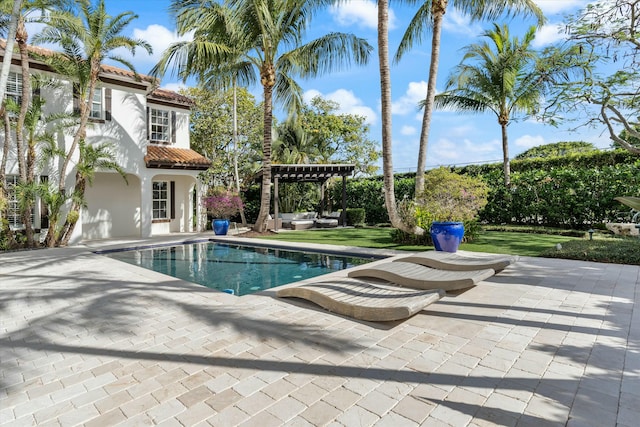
x: 455, y: 139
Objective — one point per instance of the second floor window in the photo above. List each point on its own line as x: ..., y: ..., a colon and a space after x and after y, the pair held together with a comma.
x: 96, y: 105
x: 160, y: 124
x: 99, y: 105
x: 14, y: 87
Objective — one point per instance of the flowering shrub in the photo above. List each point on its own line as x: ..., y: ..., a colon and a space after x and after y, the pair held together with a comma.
x: 448, y: 196
x: 222, y: 204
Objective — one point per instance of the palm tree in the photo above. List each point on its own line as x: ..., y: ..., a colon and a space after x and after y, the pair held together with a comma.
x: 431, y: 14
x: 501, y: 76
x: 385, y: 101
x: 88, y: 36
x: 243, y: 39
x: 11, y: 32
x: 26, y: 163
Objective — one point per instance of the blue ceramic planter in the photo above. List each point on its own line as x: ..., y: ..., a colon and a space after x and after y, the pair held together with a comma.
x: 447, y: 236
x: 220, y: 226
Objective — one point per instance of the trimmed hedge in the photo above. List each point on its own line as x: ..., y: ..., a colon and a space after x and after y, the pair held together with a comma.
x: 574, y: 191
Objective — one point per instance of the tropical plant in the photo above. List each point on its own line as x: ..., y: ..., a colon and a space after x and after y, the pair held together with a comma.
x: 498, y: 76
x: 235, y: 40
x: 430, y: 15
x: 87, y: 35
x: 92, y: 158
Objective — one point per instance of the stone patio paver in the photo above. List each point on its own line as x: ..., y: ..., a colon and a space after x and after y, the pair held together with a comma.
x: 86, y: 340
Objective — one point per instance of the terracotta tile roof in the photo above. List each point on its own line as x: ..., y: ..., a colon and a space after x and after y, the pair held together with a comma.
x: 107, y: 69
x: 167, y: 95
x: 175, y: 158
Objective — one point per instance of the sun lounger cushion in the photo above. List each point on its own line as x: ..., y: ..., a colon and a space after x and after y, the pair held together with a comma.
x: 458, y: 262
x: 420, y: 277
x: 363, y: 300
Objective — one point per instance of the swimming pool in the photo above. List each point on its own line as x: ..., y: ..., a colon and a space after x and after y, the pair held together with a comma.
x: 236, y: 269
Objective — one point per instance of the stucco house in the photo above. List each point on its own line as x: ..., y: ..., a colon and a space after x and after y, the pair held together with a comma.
x: 149, y: 130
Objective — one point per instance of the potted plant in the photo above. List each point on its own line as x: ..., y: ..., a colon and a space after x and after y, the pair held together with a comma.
x: 447, y: 202
x: 221, y: 204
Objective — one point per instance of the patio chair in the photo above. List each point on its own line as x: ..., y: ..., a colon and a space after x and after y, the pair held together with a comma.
x: 418, y: 276
x: 364, y: 300
x: 458, y: 262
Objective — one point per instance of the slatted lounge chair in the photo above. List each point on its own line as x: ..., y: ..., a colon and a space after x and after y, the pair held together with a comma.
x: 418, y: 276
x: 458, y: 262
x: 364, y: 300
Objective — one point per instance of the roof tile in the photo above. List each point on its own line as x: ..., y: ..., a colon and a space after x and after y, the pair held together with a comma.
x: 175, y: 158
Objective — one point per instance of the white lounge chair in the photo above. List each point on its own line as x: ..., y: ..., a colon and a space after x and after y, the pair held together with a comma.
x: 458, y: 262
x: 364, y: 300
x: 419, y: 276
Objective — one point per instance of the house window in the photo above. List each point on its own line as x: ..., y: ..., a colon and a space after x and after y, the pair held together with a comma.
x: 96, y: 105
x: 14, y: 217
x: 99, y: 106
x: 160, y: 124
x: 14, y: 87
x: 160, y: 200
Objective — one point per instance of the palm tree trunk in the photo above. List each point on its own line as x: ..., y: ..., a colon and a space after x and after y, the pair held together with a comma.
x: 11, y: 36
x: 4, y: 225
x: 505, y: 155
x: 265, y: 197
x: 438, y: 10
x: 236, y: 175
x: 21, y: 39
x: 385, y: 96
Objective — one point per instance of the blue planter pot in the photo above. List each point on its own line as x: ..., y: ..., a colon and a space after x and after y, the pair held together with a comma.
x: 447, y: 236
x: 220, y: 226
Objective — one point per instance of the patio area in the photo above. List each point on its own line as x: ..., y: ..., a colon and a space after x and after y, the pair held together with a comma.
x: 87, y: 340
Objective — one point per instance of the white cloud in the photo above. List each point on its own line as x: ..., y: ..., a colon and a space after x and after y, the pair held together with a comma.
x: 548, y: 34
x: 348, y: 102
x: 550, y: 7
x: 528, y: 141
x: 159, y: 37
x: 460, y: 151
x: 175, y: 87
x: 455, y: 22
x: 408, y: 130
x: 408, y: 103
x: 362, y: 13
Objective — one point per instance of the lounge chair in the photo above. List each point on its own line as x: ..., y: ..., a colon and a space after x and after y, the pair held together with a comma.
x: 458, y: 262
x: 418, y: 276
x: 364, y: 300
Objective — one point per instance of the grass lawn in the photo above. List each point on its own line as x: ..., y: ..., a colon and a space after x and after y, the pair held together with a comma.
x: 498, y: 242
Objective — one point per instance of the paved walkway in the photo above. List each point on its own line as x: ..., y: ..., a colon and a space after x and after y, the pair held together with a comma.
x: 87, y: 340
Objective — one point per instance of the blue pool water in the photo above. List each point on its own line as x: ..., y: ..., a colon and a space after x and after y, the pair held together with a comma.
x: 236, y: 269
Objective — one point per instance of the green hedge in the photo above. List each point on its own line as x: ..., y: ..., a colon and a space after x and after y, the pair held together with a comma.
x: 574, y: 191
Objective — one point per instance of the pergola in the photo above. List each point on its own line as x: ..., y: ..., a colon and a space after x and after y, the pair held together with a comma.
x: 310, y: 173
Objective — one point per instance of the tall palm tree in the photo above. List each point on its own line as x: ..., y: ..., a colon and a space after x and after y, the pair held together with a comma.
x: 26, y: 162
x: 499, y: 75
x: 245, y: 39
x: 88, y: 36
x: 430, y: 15
x: 385, y: 102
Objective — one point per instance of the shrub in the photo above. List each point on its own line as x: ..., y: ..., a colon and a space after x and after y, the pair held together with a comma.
x: 355, y: 216
x: 450, y: 197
